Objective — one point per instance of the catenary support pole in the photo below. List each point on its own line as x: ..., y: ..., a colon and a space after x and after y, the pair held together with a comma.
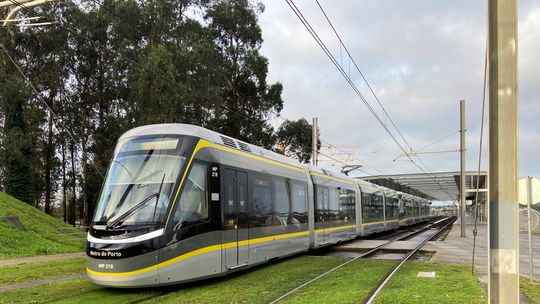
x: 463, y: 178
x: 529, y: 232
x: 503, y: 223
x: 314, y: 140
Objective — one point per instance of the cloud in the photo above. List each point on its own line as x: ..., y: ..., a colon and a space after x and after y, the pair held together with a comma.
x: 420, y: 57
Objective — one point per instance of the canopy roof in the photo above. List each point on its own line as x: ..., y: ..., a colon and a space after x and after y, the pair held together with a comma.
x: 440, y: 186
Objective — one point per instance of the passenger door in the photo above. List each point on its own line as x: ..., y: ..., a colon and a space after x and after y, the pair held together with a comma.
x: 323, y: 209
x: 235, y: 219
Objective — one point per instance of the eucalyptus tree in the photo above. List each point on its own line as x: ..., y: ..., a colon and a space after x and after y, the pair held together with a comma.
x: 18, y: 149
x: 294, y: 139
x: 248, y: 100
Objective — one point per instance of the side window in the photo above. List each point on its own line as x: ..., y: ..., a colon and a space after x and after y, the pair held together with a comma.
x: 346, y: 205
x: 319, y: 198
x: 366, y: 204
x: 374, y: 206
x: 352, y: 202
x: 334, y: 204
x: 282, y: 198
x: 261, y: 201
x: 299, y: 200
x: 282, y: 204
x: 193, y: 203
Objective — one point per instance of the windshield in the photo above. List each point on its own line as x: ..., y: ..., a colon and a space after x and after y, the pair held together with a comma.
x: 140, y: 181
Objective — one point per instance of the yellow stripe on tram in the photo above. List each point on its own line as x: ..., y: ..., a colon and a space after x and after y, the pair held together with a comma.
x: 199, y: 252
x: 335, y: 228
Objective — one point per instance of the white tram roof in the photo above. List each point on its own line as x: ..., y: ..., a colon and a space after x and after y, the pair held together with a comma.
x: 220, y: 139
x: 366, y: 186
x: 390, y: 192
x: 211, y: 136
x: 329, y: 173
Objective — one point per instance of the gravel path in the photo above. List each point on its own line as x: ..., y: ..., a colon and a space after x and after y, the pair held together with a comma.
x: 5, y: 288
x: 42, y: 258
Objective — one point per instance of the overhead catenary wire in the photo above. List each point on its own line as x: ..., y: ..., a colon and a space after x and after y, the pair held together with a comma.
x: 38, y: 95
x: 329, y: 54
x: 342, y: 162
x: 144, y: 68
x: 277, y: 115
x: 334, y: 61
x: 437, y: 141
x: 154, y: 73
x: 157, y: 74
x: 339, y: 149
x: 351, y: 58
x: 475, y: 231
x: 361, y: 161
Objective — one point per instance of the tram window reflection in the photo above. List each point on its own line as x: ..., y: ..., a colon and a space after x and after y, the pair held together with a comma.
x: 193, y: 204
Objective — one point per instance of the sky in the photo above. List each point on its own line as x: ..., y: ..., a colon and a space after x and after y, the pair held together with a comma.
x: 420, y: 57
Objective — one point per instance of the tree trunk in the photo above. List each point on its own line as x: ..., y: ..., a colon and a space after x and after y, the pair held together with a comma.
x: 64, y: 190
x: 48, y: 161
x: 73, y: 206
x: 84, y: 161
x: 84, y: 167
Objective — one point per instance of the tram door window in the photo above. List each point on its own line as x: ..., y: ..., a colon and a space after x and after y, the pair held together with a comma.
x: 235, y: 218
x: 299, y: 200
x: 322, y: 210
x: 282, y: 207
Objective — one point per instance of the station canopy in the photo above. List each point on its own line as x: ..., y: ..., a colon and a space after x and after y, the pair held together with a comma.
x: 437, y: 186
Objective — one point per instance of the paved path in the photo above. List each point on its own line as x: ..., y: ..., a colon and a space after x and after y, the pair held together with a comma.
x: 42, y: 258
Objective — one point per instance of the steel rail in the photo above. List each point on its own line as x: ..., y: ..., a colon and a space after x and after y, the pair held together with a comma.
x: 363, y: 255
x: 375, y: 291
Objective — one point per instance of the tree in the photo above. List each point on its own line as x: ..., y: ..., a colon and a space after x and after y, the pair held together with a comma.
x: 105, y: 68
x: 247, y: 101
x: 17, y: 154
x: 294, y: 139
x: 18, y: 149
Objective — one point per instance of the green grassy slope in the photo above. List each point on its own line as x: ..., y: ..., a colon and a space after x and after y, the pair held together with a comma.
x: 44, y: 234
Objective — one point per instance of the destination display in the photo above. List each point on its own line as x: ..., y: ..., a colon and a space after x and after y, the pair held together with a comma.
x: 150, y: 144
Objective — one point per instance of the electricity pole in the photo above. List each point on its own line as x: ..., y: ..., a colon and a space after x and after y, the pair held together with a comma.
x: 503, y: 222
x: 462, y: 184
x: 314, y: 140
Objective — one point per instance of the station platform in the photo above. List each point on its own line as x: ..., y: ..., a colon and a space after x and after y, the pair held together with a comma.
x: 458, y: 250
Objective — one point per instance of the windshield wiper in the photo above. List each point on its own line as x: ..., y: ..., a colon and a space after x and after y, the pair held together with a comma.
x: 131, y: 211
x: 137, y: 206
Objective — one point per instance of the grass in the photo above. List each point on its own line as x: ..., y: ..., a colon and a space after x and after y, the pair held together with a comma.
x: 44, y: 234
x: 530, y: 290
x: 452, y: 284
x: 349, y: 284
x: 29, y: 272
x: 258, y: 285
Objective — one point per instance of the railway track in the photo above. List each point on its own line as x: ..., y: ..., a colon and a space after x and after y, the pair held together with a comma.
x: 442, y: 225
x: 398, y: 236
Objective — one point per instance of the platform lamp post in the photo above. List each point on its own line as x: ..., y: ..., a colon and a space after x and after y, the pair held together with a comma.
x: 529, y: 229
x: 503, y: 221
